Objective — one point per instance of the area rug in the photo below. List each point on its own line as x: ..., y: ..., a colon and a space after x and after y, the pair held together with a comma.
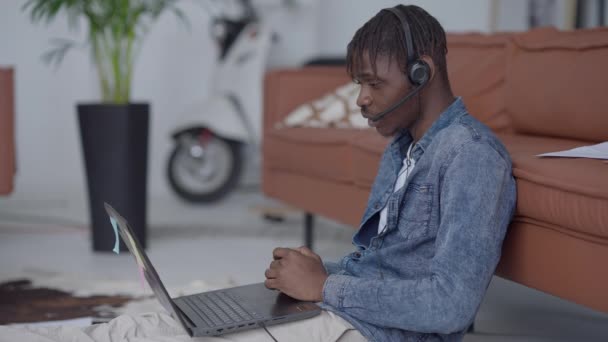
x: 39, y: 296
x: 20, y: 302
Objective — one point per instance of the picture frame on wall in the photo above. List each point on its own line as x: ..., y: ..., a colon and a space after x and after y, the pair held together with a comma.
x: 560, y: 14
x: 522, y: 15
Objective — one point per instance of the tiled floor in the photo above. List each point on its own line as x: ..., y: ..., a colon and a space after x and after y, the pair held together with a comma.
x: 229, y: 243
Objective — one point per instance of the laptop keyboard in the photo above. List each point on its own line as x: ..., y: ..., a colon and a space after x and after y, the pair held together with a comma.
x: 218, y: 309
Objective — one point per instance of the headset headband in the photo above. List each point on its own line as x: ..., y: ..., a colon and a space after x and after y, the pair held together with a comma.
x: 408, y: 34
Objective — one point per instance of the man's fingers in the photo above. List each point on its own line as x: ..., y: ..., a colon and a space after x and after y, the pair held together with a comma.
x: 275, y: 264
x: 307, y: 252
x: 272, y: 284
x: 279, y: 253
x: 270, y: 273
x: 301, y: 249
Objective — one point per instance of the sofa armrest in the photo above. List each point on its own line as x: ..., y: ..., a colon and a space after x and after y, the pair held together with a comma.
x: 7, y: 134
x: 286, y: 89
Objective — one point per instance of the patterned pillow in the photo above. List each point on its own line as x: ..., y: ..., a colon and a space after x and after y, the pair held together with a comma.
x: 336, y: 109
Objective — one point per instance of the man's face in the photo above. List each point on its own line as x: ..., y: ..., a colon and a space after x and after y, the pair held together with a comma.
x: 381, y: 90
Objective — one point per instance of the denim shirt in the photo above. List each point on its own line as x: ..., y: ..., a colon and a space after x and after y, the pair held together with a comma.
x: 424, y: 277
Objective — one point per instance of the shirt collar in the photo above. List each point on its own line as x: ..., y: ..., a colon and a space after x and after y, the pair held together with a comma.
x: 403, y: 139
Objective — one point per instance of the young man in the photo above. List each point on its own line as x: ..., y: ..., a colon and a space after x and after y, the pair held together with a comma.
x: 432, y: 232
x: 431, y: 236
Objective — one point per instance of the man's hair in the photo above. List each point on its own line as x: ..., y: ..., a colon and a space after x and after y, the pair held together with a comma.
x: 383, y: 35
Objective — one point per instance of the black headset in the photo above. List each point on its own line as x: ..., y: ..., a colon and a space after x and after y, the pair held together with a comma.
x: 418, y: 71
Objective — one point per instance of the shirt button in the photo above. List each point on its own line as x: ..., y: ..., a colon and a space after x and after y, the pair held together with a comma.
x: 357, y: 255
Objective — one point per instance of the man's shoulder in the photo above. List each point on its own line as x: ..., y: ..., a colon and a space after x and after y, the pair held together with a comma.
x: 467, y: 128
x: 466, y: 132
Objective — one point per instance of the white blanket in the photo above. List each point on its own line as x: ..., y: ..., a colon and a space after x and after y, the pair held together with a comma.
x: 144, y: 327
x: 146, y: 320
x: 160, y: 327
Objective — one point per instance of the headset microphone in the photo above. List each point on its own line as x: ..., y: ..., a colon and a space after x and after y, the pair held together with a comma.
x: 409, y: 95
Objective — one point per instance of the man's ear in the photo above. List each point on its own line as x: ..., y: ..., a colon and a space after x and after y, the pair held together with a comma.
x: 429, y: 61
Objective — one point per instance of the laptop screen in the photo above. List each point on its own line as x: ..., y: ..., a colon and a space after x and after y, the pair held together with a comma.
x: 144, y: 263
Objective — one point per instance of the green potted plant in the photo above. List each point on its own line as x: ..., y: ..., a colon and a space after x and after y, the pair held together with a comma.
x: 114, y: 132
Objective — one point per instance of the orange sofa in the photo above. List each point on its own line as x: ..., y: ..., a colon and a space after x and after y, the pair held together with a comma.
x: 541, y: 91
x: 7, y: 135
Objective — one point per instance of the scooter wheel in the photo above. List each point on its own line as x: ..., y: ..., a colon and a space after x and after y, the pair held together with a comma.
x: 203, y: 173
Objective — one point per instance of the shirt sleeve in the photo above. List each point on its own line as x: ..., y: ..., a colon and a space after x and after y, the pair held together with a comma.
x: 332, y: 267
x: 477, y: 199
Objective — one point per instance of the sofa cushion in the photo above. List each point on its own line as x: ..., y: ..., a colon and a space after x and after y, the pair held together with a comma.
x: 316, y: 152
x: 476, y: 68
x: 286, y: 89
x: 556, y: 84
x: 337, y: 108
x: 566, y: 192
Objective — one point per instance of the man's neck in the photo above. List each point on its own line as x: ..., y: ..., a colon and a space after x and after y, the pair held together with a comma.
x: 430, y: 113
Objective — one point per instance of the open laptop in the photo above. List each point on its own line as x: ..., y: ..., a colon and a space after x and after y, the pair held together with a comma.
x: 217, y: 312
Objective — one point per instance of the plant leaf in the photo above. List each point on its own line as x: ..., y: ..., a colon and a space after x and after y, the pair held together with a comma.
x: 116, y: 29
x: 55, y: 55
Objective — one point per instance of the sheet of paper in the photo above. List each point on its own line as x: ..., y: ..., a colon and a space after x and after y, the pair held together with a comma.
x: 599, y: 151
x: 76, y: 323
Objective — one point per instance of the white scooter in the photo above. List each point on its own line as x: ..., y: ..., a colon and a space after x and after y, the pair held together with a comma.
x: 207, y: 160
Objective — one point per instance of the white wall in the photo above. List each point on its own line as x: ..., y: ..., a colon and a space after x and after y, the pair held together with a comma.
x: 173, y: 71
x: 511, y: 15
x: 591, y: 14
x: 297, y: 29
x: 45, y: 118
x: 339, y: 19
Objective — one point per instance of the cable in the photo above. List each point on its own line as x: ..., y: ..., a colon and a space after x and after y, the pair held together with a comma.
x: 25, y: 218
x: 268, y: 332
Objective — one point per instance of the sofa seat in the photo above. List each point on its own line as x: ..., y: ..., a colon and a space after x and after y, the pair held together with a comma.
x: 554, y: 260
x: 550, y: 190
x: 569, y: 193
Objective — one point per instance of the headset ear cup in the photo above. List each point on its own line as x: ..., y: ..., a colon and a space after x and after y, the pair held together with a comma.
x: 419, y: 72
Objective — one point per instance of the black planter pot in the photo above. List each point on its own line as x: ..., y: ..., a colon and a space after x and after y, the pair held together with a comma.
x: 115, y: 147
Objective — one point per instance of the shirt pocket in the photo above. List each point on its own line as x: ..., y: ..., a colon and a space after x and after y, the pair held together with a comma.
x: 415, y: 211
